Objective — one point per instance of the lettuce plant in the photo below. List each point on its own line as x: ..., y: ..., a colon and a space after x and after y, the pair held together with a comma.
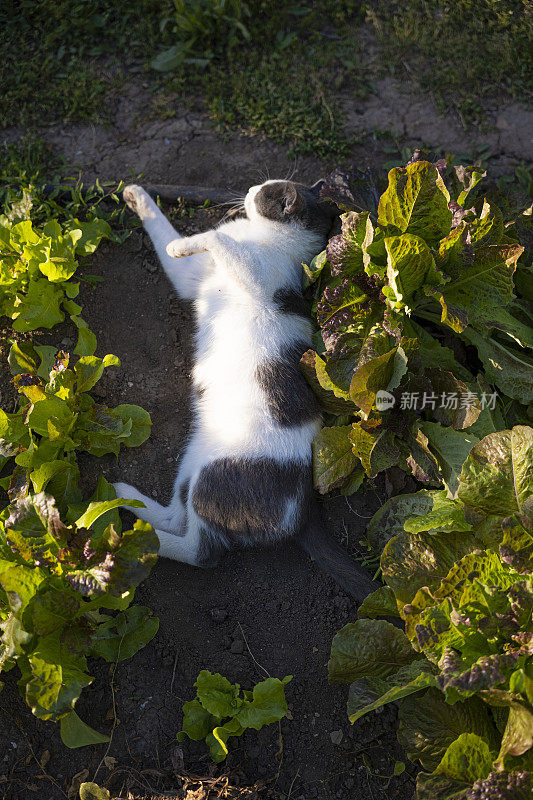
x: 421, y: 325
x: 58, y: 580
x: 458, y: 575
x: 67, y: 571
x: 36, y: 267
x: 220, y: 711
x: 57, y: 416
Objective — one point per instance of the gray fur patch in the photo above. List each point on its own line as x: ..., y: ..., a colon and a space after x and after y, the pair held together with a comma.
x: 285, y: 201
x: 184, y: 492
x: 290, y: 399
x: 245, y: 500
x: 289, y: 301
x: 210, y: 549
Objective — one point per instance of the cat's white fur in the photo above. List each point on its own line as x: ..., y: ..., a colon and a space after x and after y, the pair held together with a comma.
x: 231, y: 274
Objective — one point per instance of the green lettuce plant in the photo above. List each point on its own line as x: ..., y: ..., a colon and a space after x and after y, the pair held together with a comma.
x: 57, y: 416
x: 36, y: 268
x: 457, y: 573
x: 220, y: 710
x: 67, y: 571
x: 421, y: 295
x: 59, y: 578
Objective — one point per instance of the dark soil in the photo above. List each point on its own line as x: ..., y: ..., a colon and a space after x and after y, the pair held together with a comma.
x: 259, y: 612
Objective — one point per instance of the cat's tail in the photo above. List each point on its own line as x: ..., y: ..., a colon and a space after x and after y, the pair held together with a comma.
x: 333, y: 559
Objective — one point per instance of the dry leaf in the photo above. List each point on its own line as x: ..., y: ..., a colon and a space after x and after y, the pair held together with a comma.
x: 76, y: 782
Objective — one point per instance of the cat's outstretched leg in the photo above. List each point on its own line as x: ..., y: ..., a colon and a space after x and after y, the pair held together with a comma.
x: 237, y: 259
x: 184, y: 275
x: 198, y: 546
x: 168, y: 518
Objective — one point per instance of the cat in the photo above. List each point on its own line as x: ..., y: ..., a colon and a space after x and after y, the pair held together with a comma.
x: 246, y: 475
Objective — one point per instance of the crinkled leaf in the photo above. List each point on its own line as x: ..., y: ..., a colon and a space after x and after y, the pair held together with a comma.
x: 429, y: 725
x: 389, y: 520
x: 86, y: 344
x: 416, y: 202
x: 39, y: 307
x: 467, y: 759
x: 439, y: 787
x: 56, y: 680
x: 409, y: 266
x: 402, y: 688
x: 516, y: 548
x: 484, y: 284
x: 89, y: 370
x: 508, y: 367
x: 125, y: 634
x: 140, y: 423
x: 497, y: 476
x: 197, y: 722
x: 268, y: 704
x: 368, y: 647
x: 383, y: 372
x: 374, y: 447
x: 381, y: 603
x: 217, y: 694
x: 346, y: 252
x: 467, y: 179
x: 217, y: 740
x: 97, y: 509
x: 450, y: 448
x: 518, y: 735
x: 410, y: 561
x: 333, y: 457
x: 444, y: 515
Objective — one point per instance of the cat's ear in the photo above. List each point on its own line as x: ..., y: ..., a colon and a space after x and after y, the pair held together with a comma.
x: 293, y: 199
x: 316, y: 187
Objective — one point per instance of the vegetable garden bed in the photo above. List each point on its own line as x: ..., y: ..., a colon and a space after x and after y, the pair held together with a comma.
x: 380, y: 295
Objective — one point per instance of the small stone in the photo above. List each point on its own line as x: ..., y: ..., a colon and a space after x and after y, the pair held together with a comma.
x: 336, y: 737
x: 237, y: 646
x: 218, y: 614
x: 502, y: 124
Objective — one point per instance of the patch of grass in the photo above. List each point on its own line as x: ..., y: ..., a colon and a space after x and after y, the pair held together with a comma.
x: 27, y: 161
x: 282, y: 80
x: 287, y: 101
x: 461, y: 51
x: 56, y: 55
x: 62, y: 61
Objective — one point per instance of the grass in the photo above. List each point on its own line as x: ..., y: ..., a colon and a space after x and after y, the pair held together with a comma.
x: 60, y: 59
x: 464, y: 52
x: 265, y: 66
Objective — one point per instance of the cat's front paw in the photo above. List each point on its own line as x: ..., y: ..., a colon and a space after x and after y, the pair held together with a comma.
x: 189, y: 245
x: 179, y: 248
x: 139, y: 201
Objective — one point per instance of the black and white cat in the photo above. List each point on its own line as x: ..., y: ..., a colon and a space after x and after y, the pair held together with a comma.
x: 246, y: 475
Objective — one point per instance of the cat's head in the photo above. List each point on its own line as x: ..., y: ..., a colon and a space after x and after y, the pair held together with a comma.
x: 291, y: 203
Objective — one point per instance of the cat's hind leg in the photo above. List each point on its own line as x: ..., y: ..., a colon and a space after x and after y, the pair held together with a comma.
x: 154, y: 513
x: 198, y: 546
x: 185, y: 274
